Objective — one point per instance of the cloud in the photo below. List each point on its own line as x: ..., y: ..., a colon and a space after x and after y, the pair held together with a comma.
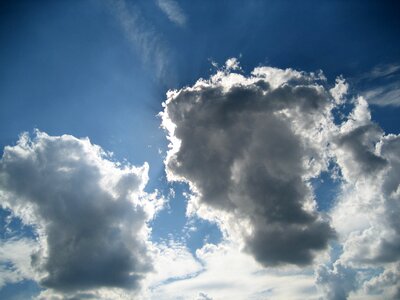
x: 247, y: 146
x: 387, y: 283
x: 173, y: 11
x: 143, y: 36
x: 370, y: 164
x: 173, y: 262
x: 15, y: 260
x: 366, y: 214
x: 384, y: 95
x: 228, y: 273
x: 336, y: 283
x: 381, y: 71
x: 89, y: 212
x: 381, y: 86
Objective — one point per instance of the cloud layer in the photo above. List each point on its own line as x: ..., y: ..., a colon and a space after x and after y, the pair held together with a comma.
x: 250, y: 148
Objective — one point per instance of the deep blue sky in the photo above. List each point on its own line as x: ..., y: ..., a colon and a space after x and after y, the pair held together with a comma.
x: 67, y: 67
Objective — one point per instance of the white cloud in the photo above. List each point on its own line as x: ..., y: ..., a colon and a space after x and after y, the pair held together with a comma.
x: 144, y: 38
x: 15, y: 256
x: 90, y: 214
x: 381, y: 86
x: 229, y: 273
x: 340, y: 90
x: 173, y: 11
x: 388, y: 95
x: 173, y: 262
x: 366, y: 216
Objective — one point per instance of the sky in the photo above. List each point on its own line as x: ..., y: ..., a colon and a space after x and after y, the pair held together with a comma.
x: 165, y: 149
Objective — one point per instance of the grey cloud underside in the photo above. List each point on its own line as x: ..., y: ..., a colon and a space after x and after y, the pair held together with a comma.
x: 91, y: 231
x: 359, y: 143
x: 241, y: 152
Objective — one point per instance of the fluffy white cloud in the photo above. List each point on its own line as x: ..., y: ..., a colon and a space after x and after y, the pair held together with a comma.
x: 89, y: 212
x: 366, y: 215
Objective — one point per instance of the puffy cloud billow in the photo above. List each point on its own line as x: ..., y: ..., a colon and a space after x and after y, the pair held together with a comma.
x: 248, y: 146
x: 367, y: 214
x: 89, y: 213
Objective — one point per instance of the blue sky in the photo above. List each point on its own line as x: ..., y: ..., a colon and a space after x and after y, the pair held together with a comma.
x: 101, y: 69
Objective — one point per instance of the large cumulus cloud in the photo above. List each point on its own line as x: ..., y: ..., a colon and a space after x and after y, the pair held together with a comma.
x: 89, y: 212
x: 248, y: 146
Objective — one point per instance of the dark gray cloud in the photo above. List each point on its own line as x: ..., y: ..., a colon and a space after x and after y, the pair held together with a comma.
x: 87, y: 211
x: 247, y: 146
x: 360, y: 144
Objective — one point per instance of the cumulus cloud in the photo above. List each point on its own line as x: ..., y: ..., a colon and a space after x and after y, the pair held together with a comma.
x: 247, y: 146
x: 370, y: 163
x: 366, y: 214
x: 89, y: 212
x: 173, y: 11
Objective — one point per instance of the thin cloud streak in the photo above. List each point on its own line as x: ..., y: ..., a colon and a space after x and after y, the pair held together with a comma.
x: 143, y: 37
x: 173, y: 11
x: 382, y: 85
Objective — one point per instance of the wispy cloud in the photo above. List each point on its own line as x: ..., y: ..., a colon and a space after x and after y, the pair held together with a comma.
x: 384, y: 95
x: 144, y: 38
x: 381, y: 86
x: 380, y: 71
x: 173, y: 11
